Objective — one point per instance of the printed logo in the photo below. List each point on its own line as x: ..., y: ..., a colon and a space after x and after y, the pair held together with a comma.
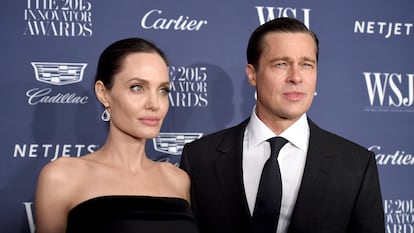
x: 396, y: 158
x: 267, y: 13
x: 153, y: 20
x: 188, y: 86
x: 56, y: 74
x: 386, y: 29
x: 29, y: 215
x: 399, y: 215
x: 389, y: 92
x: 173, y: 143
x: 52, y: 151
x: 59, y: 73
x: 64, y: 18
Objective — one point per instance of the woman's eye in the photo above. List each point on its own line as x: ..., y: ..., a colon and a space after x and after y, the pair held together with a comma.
x: 136, y: 88
x: 165, y: 90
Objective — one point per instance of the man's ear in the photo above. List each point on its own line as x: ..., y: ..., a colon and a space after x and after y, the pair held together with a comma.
x: 251, y: 74
x: 101, y: 93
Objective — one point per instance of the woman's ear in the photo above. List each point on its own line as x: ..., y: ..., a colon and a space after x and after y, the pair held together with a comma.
x: 101, y: 93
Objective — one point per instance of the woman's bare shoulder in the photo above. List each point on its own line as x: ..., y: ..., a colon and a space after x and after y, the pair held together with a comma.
x: 63, y: 171
x: 62, y: 165
x: 178, y: 178
x: 175, y: 172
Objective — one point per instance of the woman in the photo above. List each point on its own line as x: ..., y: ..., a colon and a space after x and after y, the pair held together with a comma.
x: 118, y: 188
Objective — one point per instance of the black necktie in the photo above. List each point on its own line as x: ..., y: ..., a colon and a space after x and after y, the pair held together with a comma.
x: 269, y: 195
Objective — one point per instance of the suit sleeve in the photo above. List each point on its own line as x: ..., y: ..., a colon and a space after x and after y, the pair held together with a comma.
x: 183, y: 162
x: 368, y: 213
x: 185, y: 165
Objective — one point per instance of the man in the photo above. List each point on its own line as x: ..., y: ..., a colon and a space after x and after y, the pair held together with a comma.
x: 329, y: 184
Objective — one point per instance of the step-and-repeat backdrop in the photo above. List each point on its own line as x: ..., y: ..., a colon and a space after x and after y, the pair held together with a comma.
x: 49, y: 51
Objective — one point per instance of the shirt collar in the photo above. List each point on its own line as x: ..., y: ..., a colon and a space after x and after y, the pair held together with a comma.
x: 297, y: 134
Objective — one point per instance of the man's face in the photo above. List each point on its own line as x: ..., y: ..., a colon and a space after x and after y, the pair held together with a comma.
x: 285, y: 79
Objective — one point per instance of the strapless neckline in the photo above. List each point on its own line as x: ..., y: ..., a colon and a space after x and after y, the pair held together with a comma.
x: 127, y: 214
x: 126, y: 197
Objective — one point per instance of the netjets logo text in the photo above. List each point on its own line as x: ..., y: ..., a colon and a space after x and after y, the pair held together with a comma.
x: 389, y: 92
x: 173, y: 143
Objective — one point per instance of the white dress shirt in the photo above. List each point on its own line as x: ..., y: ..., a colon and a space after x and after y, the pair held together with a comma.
x: 292, y: 158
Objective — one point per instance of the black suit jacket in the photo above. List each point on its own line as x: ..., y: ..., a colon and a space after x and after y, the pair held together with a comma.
x: 339, y: 192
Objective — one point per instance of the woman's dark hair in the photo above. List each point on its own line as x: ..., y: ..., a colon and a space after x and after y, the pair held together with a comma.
x: 112, y: 57
x: 255, y: 46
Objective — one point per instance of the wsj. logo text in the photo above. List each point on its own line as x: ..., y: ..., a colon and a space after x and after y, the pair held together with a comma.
x: 389, y: 91
x: 267, y: 13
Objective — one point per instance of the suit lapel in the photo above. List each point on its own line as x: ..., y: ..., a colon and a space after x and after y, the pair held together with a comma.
x: 311, y: 193
x: 316, y: 176
x: 229, y: 171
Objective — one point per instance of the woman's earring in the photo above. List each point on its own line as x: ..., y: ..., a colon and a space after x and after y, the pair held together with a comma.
x: 105, y: 115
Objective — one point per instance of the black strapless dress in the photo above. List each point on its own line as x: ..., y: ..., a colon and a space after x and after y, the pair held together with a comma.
x: 132, y: 214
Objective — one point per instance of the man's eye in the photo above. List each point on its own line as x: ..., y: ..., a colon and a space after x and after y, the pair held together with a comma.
x: 308, y: 65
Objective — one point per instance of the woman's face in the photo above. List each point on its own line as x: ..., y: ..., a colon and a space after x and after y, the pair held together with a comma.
x: 138, y: 100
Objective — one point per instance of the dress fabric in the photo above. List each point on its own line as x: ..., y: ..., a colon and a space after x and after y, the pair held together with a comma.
x: 132, y: 214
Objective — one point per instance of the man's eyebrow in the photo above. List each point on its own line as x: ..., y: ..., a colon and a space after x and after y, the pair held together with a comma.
x: 283, y: 58
x: 308, y: 59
